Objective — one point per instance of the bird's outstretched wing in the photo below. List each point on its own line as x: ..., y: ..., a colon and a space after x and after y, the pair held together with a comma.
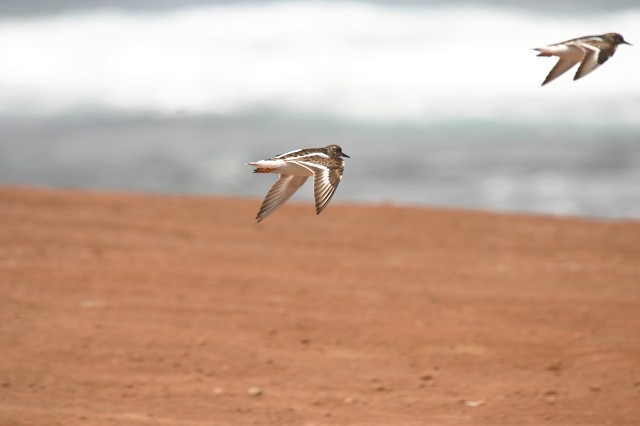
x: 279, y: 193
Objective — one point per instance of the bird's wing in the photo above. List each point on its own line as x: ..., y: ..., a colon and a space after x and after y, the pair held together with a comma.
x: 593, y: 57
x: 279, y: 193
x: 325, y: 183
x: 566, y: 61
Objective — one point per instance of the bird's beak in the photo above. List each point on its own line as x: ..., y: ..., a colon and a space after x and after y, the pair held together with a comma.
x: 345, y: 155
x: 626, y: 42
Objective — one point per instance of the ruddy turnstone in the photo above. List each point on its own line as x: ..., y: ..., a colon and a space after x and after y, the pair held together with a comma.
x: 591, y: 51
x: 324, y: 164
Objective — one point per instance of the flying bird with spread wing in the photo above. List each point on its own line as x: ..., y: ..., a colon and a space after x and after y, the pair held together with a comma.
x: 589, y: 51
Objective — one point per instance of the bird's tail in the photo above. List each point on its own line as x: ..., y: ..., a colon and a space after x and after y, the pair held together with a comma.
x: 542, y: 51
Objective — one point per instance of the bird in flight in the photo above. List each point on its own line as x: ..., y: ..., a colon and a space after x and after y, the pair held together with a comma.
x: 324, y: 164
x: 590, y: 51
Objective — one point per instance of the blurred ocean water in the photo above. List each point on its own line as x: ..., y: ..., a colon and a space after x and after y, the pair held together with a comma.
x: 437, y: 104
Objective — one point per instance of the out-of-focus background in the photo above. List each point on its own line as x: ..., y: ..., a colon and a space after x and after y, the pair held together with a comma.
x: 437, y: 103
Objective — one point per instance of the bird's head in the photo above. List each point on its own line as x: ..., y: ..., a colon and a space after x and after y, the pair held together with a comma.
x: 335, y: 151
x: 618, y: 39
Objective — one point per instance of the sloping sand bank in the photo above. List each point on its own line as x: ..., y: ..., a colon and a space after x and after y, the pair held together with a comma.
x: 126, y: 309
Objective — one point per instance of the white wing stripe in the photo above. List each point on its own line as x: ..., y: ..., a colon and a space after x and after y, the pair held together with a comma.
x: 297, y: 158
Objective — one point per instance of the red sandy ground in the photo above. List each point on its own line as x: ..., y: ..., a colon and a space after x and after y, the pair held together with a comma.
x: 124, y: 309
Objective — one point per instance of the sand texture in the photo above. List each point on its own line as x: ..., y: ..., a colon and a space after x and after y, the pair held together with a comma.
x: 129, y: 309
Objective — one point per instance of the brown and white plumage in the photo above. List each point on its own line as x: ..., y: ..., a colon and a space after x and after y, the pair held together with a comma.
x: 324, y: 164
x: 589, y: 51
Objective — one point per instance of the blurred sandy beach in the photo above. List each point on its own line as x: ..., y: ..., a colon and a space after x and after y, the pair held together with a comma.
x: 139, y: 309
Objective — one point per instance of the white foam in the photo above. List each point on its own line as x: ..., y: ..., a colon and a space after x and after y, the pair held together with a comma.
x: 349, y: 59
